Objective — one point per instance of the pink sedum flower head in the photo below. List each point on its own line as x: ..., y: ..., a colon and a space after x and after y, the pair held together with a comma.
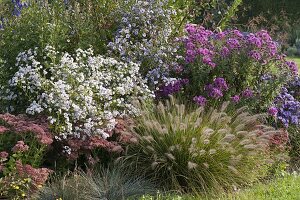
x: 20, y: 147
x: 3, y: 129
x: 3, y: 154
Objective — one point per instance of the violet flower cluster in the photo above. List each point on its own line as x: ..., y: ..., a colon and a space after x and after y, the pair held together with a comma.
x: 212, y: 48
x: 171, y: 88
x: 18, y: 6
x: 294, y: 87
x: 239, y: 58
x: 216, y: 89
x: 288, y: 108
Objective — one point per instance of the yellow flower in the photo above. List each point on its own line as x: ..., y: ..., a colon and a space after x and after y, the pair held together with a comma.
x: 16, y: 187
x: 59, y: 199
x: 23, y: 194
x: 27, y: 179
x: 39, y: 186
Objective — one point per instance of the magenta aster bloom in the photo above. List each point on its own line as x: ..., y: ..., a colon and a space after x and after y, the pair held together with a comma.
x: 236, y: 98
x: 200, y: 100
x: 273, y: 111
x: 221, y: 84
x: 247, y: 93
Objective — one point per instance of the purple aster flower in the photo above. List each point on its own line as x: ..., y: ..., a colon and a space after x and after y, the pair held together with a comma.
x: 206, y: 60
x: 266, y: 77
x: 273, y: 111
x: 233, y: 43
x: 221, y: 84
x: 293, y: 66
x: 225, y: 51
x: 171, y: 88
x: 238, y: 33
x: 253, y: 40
x: 288, y: 108
x: 220, y: 35
x: 247, y: 93
x: 255, y: 55
x: 236, y: 98
x: 191, y: 28
x: 215, y: 93
x: 200, y: 100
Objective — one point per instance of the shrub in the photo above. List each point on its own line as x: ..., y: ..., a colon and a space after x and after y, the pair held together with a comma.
x: 232, y: 64
x: 80, y: 94
x: 291, y: 51
x: 215, y: 14
x: 145, y: 35
x: 111, y: 183
x: 197, y: 150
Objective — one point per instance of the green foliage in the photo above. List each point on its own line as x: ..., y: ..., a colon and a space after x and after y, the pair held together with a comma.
x: 18, y: 189
x: 67, y: 28
x: 230, y: 13
x: 294, y: 35
x: 286, y: 187
x: 196, y: 150
x: 34, y: 156
x: 214, y: 14
x: 294, y: 135
x: 291, y: 51
x: 273, y: 7
x: 283, y: 188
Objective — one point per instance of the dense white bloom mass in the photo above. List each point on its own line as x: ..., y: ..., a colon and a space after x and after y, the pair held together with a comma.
x: 81, y: 93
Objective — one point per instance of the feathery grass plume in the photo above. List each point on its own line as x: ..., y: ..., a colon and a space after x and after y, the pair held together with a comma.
x: 215, y: 150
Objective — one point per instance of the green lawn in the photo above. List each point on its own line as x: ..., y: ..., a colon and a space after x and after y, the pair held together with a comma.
x: 286, y: 188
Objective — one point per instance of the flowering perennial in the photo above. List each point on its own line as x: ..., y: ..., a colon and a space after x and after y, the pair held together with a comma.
x: 212, y: 47
x: 144, y: 36
x: 81, y: 94
x: 250, y: 66
x: 171, y: 87
x: 22, y: 124
x: 288, y: 108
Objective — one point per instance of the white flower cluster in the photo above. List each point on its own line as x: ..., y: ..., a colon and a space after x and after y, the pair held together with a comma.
x: 144, y: 35
x: 81, y: 94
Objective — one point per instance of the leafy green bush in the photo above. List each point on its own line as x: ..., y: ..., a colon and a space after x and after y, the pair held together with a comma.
x: 194, y: 150
x: 291, y: 51
x: 78, y: 24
